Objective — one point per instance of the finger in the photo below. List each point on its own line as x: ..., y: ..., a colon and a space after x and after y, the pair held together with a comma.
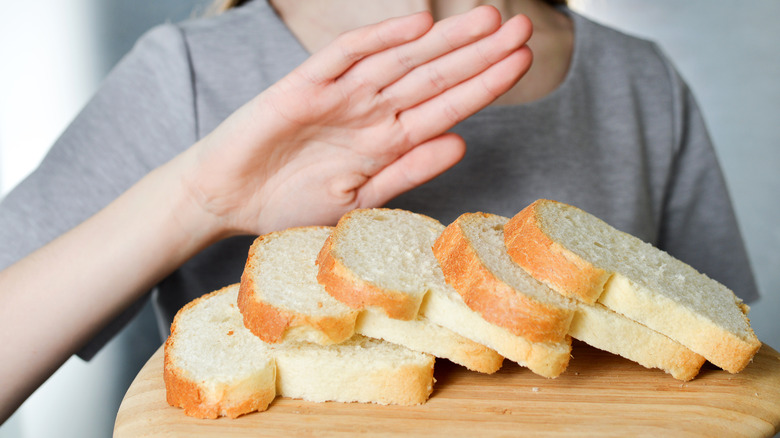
x: 443, y: 73
x: 434, y: 116
x: 412, y: 169
x: 445, y: 36
x: 335, y: 58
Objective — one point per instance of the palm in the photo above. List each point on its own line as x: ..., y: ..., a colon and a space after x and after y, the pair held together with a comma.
x: 359, y: 122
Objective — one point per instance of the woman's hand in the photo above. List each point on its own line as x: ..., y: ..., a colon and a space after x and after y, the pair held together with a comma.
x: 360, y: 122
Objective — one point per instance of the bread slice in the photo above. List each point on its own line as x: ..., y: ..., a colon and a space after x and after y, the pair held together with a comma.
x: 422, y: 334
x: 214, y: 366
x: 374, y: 259
x: 475, y: 262
x: 382, y: 259
x: 280, y: 298
x: 361, y: 369
x: 606, y: 330
x: 445, y: 307
x: 581, y: 256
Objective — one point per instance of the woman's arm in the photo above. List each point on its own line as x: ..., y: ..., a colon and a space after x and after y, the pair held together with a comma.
x: 358, y: 123
x: 54, y: 300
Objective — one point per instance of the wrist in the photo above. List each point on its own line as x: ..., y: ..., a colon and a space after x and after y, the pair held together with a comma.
x: 185, y: 206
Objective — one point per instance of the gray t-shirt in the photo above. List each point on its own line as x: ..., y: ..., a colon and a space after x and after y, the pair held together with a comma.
x: 621, y: 138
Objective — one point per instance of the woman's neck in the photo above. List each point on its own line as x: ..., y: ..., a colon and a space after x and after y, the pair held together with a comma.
x: 317, y: 23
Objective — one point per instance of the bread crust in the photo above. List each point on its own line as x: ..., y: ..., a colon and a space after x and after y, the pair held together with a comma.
x: 416, y: 385
x: 529, y: 245
x: 272, y: 324
x: 264, y: 321
x: 342, y: 284
x: 733, y: 354
x: 185, y: 393
x: 545, y: 359
x: 495, y: 300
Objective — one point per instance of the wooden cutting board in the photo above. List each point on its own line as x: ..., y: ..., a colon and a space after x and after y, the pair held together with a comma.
x: 599, y: 394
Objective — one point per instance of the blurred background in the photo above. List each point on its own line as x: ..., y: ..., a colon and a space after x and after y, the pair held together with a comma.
x: 54, y: 54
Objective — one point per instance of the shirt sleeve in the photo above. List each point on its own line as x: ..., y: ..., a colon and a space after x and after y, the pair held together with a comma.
x: 699, y: 223
x: 142, y: 116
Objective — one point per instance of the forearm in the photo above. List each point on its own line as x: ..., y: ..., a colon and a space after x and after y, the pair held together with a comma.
x: 54, y: 300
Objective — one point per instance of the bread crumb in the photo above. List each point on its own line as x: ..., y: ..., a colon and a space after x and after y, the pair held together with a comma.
x: 535, y: 389
x: 230, y: 333
x: 319, y: 304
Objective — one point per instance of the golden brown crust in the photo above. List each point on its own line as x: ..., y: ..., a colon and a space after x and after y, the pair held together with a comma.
x: 416, y: 385
x: 342, y: 284
x: 477, y: 357
x: 685, y: 365
x: 263, y: 320
x: 734, y: 354
x: 729, y: 352
x: 496, y: 301
x: 186, y: 394
x: 271, y: 323
x: 549, y: 262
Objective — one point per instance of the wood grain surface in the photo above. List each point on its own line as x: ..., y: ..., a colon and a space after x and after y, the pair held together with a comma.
x: 599, y: 395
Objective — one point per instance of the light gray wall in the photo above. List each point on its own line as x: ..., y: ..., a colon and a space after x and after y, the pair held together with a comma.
x: 727, y: 50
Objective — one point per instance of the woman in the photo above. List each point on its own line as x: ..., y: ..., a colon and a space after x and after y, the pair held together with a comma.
x: 216, y: 130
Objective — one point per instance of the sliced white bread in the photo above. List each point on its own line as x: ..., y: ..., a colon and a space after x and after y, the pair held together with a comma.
x: 361, y: 369
x: 280, y: 298
x: 422, y: 334
x: 581, y: 256
x: 445, y: 307
x: 382, y: 259
x: 214, y: 366
x: 475, y: 263
x: 282, y: 301
x: 374, y: 259
x: 606, y: 330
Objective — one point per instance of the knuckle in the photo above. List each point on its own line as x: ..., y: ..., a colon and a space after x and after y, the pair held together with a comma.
x: 347, y: 49
x: 493, y: 90
x: 437, y: 80
x: 404, y: 59
x: 451, y: 112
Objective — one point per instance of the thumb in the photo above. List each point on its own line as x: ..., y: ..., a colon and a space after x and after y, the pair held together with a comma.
x: 416, y: 167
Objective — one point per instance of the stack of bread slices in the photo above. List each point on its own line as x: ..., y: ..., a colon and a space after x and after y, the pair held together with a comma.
x: 358, y: 312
